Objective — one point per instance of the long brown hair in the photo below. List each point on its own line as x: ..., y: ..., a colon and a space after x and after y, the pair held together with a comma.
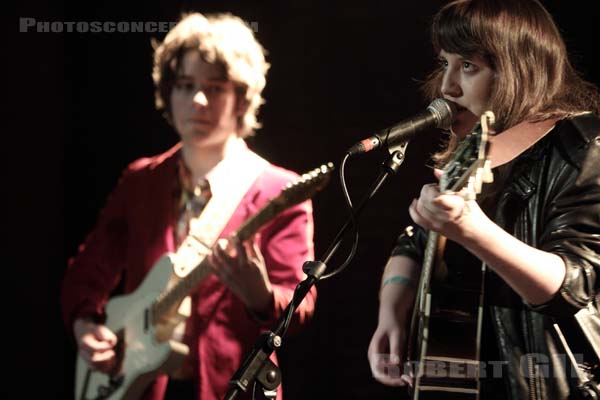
x: 521, y: 42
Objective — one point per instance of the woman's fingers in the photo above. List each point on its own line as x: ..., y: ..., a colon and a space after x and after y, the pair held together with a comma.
x: 385, y: 359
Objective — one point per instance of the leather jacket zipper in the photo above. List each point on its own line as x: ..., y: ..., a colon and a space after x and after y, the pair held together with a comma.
x: 531, y: 381
x: 533, y: 370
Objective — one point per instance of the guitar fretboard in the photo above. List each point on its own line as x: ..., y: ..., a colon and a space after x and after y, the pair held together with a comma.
x: 175, y: 294
x: 172, y: 296
x: 192, y: 253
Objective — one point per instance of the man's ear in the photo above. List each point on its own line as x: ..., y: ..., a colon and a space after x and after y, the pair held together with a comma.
x: 242, y: 104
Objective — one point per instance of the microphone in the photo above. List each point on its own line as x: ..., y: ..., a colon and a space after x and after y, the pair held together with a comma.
x: 439, y: 114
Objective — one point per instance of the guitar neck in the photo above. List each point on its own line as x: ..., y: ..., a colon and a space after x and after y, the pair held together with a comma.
x: 418, y: 347
x: 304, y: 188
x: 182, y: 287
x: 429, y: 261
x: 171, y: 297
x: 252, y: 225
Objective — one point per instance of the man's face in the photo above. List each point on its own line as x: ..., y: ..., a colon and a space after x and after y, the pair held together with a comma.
x: 467, y: 82
x: 204, y: 104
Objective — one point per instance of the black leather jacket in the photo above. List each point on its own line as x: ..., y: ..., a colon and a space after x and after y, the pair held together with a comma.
x: 551, y: 201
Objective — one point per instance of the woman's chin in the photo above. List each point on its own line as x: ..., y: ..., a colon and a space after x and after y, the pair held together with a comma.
x: 463, y: 123
x: 459, y: 131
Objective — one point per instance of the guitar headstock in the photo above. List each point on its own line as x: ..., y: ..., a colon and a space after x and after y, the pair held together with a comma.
x: 306, y: 186
x: 469, y: 166
x: 295, y: 192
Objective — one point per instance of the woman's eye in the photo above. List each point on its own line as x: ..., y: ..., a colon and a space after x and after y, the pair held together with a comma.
x: 467, y: 66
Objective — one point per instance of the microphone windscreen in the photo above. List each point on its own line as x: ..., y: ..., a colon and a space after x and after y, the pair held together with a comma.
x: 443, y: 111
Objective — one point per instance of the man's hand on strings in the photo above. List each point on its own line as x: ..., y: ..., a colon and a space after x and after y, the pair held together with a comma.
x: 241, y: 267
x: 96, y: 344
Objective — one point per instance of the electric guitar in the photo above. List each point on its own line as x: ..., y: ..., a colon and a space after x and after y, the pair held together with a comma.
x: 146, y: 320
x: 443, y: 346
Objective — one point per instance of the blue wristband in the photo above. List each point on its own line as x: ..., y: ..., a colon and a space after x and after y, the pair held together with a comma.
x: 398, y: 279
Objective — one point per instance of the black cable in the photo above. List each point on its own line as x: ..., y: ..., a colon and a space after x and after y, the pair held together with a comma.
x: 352, y: 218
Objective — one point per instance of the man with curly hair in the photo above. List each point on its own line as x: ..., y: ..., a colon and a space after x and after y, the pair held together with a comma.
x: 209, y: 74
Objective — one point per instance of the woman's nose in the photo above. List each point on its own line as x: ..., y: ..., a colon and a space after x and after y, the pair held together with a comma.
x: 450, y: 85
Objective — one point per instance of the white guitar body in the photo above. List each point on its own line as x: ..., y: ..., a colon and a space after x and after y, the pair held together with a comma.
x: 147, y: 349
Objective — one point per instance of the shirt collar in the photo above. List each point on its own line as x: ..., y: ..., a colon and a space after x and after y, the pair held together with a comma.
x: 217, y: 177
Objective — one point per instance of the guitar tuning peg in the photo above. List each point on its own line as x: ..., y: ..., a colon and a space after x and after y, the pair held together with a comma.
x: 488, y: 175
x: 469, y: 191
x: 478, y: 180
x: 469, y: 195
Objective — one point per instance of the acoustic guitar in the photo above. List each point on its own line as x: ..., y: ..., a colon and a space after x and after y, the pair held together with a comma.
x: 443, y: 346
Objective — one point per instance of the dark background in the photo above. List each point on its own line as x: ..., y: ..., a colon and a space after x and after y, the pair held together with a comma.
x: 80, y: 108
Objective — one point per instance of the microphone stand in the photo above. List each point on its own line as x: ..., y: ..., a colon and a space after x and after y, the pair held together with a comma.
x: 257, y: 365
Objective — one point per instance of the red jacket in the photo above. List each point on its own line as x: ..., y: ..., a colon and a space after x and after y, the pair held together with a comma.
x: 135, y: 229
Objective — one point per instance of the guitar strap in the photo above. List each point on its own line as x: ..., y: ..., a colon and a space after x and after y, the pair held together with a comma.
x: 509, y: 144
x: 234, y: 177
x: 229, y: 181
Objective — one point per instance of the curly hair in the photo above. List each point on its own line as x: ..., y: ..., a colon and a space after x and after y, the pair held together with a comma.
x: 220, y: 38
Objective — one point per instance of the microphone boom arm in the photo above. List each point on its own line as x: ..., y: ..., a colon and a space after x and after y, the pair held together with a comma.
x: 257, y: 365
